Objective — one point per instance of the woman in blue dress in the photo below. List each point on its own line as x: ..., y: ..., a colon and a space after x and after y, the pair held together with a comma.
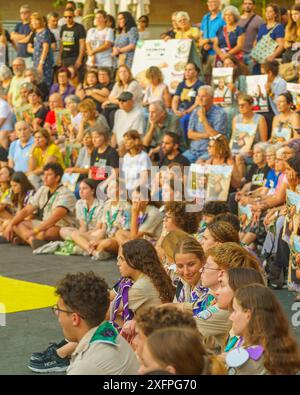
x: 126, y: 39
x: 230, y: 38
x: 43, y: 60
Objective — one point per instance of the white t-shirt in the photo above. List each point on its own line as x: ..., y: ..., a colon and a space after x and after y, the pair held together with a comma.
x: 132, y: 167
x: 124, y: 121
x: 75, y: 121
x: 96, y: 38
x: 7, y: 114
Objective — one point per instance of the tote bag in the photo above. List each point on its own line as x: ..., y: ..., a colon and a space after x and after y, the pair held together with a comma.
x: 265, y: 47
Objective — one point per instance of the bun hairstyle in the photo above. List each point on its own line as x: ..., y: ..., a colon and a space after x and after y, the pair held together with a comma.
x: 289, y: 99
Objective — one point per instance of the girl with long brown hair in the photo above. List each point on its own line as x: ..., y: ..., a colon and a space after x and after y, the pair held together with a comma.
x: 292, y: 33
x: 182, y: 353
x: 144, y: 281
x: 259, y: 320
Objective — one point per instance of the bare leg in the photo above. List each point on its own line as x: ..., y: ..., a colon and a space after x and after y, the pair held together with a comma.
x: 66, y: 232
x: 81, y: 239
x: 122, y: 236
x: 110, y: 245
x: 24, y: 230
x: 66, y: 350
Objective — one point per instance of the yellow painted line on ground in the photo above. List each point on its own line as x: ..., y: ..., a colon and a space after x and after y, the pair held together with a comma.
x: 17, y: 295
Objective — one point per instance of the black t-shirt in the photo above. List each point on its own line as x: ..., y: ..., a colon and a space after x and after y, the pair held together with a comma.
x: 44, y: 89
x: 180, y: 159
x: 70, y: 37
x: 41, y: 113
x: 257, y: 176
x: 109, y: 157
x: 3, y: 154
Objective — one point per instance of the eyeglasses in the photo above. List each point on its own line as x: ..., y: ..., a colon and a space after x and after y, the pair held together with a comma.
x: 56, y: 310
x: 203, y: 268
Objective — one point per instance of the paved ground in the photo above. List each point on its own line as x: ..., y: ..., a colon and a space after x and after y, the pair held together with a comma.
x: 30, y: 331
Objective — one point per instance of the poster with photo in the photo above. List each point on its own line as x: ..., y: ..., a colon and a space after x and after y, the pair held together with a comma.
x: 291, y: 223
x: 71, y: 154
x: 280, y: 134
x: 256, y: 88
x: 242, y: 138
x: 25, y: 113
x: 70, y: 180
x: 209, y: 182
x: 245, y: 215
x: 221, y: 77
x: 63, y: 120
x: 170, y: 56
x: 295, y: 91
x: 218, y: 182
x: 197, y: 180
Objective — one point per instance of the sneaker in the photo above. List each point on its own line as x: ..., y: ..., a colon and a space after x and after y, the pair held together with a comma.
x: 79, y: 251
x: 53, y: 346
x: 3, y: 240
x: 50, y: 363
x: 35, y: 244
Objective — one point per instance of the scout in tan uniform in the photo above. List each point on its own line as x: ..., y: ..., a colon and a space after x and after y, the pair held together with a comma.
x: 213, y: 323
x: 266, y: 344
x: 55, y: 204
x: 98, y: 349
x: 144, y: 281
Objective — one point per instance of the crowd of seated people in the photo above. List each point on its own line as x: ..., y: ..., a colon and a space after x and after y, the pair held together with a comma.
x: 197, y: 200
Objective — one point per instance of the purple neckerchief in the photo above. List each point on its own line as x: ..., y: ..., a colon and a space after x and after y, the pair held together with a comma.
x: 142, y: 219
x: 123, y: 287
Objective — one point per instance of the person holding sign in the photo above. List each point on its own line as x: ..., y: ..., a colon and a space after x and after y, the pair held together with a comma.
x: 207, y: 120
x: 286, y: 124
x: 248, y: 128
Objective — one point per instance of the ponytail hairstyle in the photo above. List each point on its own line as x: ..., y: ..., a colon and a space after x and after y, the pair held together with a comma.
x: 141, y: 255
x: 190, y: 246
x: 92, y: 184
x: 183, y: 351
x: 289, y: 99
x: 223, y: 232
x: 269, y: 328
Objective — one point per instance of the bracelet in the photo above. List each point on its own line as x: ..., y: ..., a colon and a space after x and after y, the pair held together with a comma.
x: 36, y: 231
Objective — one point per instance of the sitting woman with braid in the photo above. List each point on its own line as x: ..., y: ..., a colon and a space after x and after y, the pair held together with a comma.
x: 144, y: 281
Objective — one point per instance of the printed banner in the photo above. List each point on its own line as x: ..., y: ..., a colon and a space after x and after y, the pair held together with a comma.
x: 256, y: 88
x: 209, y: 182
x: 170, y: 56
x: 221, y: 77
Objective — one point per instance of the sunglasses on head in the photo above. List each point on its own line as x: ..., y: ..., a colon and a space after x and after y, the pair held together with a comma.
x: 215, y: 137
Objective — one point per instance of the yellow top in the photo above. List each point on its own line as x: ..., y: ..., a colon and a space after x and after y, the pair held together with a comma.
x: 42, y: 158
x: 193, y: 33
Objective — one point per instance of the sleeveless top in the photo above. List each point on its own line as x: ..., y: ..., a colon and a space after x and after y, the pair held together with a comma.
x: 255, y: 121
